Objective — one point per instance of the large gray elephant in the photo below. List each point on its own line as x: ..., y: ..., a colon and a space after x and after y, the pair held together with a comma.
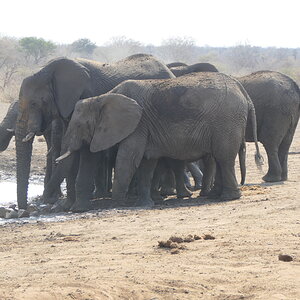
x: 276, y: 98
x: 199, y: 67
x: 51, y: 94
x: 7, y: 131
x: 181, y: 118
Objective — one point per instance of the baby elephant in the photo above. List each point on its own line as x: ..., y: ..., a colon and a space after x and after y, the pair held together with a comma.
x: 182, y: 118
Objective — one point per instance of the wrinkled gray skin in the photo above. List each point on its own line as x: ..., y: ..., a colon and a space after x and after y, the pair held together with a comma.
x: 52, y: 94
x: 181, y: 118
x: 199, y: 67
x: 7, y: 131
x: 276, y: 98
x: 7, y: 126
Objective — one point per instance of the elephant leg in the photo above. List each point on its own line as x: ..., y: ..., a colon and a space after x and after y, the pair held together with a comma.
x: 164, y: 178
x: 214, y: 191
x: 129, y: 156
x: 186, y: 177
x: 145, y: 175
x: 196, y: 173
x: 274, y: 171
x: 63, y: 170
x: 230, y: 189
x: 84, y: 185
x: 102, y: 176
x: 283, y: 152
x: 156, y: 179
x: 178, y: 167
x: 208, y: 166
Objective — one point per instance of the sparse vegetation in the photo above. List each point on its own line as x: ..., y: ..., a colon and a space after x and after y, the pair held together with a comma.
x: 20, y: 58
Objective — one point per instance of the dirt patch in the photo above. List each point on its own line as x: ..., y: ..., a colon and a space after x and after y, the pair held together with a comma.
x: 114, y: 254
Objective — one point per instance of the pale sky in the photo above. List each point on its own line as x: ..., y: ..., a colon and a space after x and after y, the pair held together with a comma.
x: 209, y: 22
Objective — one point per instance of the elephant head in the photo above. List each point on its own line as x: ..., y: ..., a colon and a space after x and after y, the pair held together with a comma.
x: 7, y: 126
x: 101, y: 122
x: 44, y: 96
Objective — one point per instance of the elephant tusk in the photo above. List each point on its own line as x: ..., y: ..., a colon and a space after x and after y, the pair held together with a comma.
x: 50, y: 151
x: 68, y: 153
x: 10, y: 129
x: 28, y: 137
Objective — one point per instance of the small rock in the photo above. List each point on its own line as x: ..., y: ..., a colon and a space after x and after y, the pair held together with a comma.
x: 197, y: 237
x: 45, y: 208
x: 31, y: 208
x: 208, y: 237
x: 22, y: 213
x: 11, y: 214
x: 34, y: 214
x: 3, y: 212
x: 285, y: 257
x: 13, y: 206
x: 174, y: 251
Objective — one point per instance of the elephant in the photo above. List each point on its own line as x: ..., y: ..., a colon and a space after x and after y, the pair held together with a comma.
x: 51, y: 94
x: 176, y: 64
x: 183, y: 118
x: 8, y: 124
x: 276, y: 98
x: 199, y: 67
x: 7, y: 131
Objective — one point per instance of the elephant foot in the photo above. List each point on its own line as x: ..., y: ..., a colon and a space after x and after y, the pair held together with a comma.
x: 197, y: 187
x: 284, y: 177
x: 184, y: 194
x: 145, y: 202
x: 214, y: 193
x: 156, y: 196
x: 62, y: 205
x: 204, y: 193
x: 81, y: 206
x: 230, y: 195
x: 271, y: 178
x: 167, y: 192
x: 50, y: 200
x: 101, y: 194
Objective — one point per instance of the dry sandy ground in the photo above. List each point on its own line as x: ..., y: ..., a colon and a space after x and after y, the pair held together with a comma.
x: 114, y: 254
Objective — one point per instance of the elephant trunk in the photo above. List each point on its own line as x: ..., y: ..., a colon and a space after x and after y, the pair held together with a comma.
x: 7, y: 126
x: 23, y: 152
x: 5, y: 137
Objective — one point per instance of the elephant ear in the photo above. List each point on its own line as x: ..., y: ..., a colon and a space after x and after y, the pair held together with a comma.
x: 119, y: 117
x: 71, y: 82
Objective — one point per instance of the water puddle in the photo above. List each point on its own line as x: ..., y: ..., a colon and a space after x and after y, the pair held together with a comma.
x: 8, y: 192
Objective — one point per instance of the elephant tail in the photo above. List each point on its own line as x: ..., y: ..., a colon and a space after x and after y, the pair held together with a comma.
x: 242, y: 160
x: 259, y: 160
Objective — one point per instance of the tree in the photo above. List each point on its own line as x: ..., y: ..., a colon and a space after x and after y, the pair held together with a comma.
x: 10, y: 60
x: 119, y: 47
x: 37, y: 48
x: 83, y: 46
x: 178, y: 49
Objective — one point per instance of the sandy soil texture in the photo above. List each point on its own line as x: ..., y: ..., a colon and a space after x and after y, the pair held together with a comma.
x: 230, y: 249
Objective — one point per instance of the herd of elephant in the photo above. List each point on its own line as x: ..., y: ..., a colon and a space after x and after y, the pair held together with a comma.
x: 130, y: 126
